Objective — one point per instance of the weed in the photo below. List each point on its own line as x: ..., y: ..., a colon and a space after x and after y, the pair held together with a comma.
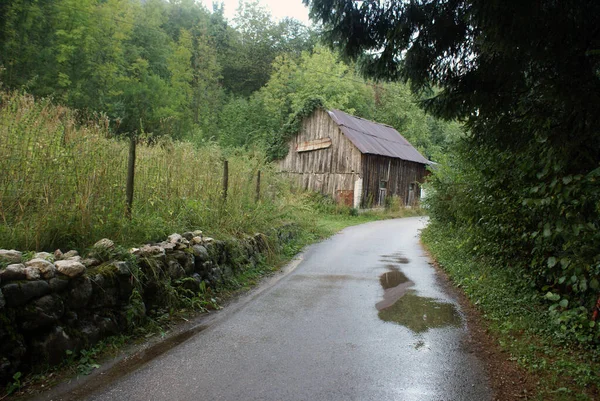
x: 15, y: 385
x: 87, y: 362
x: 66, y: 188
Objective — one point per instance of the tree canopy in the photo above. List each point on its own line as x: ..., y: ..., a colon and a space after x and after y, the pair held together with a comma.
x: 322, y: 74
x: 164, y: 67
x: 175, y: 68
x: 504, y: 62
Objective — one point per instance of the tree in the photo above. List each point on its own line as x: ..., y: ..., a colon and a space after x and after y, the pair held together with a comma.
x: 395, y: 105
x: 495, y: 62
x: 208, y: 94
x: 248, y: 51
x: 25, y: 44
x: 317, y: 74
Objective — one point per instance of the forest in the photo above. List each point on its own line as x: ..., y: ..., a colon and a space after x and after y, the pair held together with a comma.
x: 175, y: 69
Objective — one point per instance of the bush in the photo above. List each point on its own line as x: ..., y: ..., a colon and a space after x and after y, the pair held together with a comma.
x: 534, y: 211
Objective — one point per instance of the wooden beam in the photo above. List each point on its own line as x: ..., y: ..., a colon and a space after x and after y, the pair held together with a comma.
x: 321, y: 143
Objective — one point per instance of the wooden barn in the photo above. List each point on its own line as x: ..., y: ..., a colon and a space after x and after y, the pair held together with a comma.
x: 356, y: 161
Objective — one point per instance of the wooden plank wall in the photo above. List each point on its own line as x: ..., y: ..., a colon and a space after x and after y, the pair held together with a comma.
x: 401, y: 174
x: 324, y: 170
x: 326, y: 183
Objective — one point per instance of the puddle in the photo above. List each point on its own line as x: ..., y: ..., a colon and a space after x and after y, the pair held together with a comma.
x: 392, y: 278
x: 402, y: 305
x: 127, y: 366
x: 421, y: 314
x: 327, y: 277
x: 397, y: 257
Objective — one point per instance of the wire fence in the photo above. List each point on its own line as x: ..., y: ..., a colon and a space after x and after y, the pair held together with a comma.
x: 64, y: 183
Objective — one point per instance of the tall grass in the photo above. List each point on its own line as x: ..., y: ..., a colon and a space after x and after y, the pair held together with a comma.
x: 62, y: 184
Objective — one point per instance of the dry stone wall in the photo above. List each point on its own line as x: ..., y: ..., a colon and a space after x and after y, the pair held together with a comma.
x: 54, y: 303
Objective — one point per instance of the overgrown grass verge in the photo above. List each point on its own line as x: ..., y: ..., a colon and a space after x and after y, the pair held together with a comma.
x: 518, y: 318
x: 63, y: 183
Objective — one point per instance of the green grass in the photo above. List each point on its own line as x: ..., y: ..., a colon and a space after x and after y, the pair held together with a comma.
x: 335, y: 223
x: 63, y: 186
x: 63, y: 183
x: 518, y: 318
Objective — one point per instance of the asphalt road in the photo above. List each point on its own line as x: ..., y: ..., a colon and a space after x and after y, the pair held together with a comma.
x: 361, y: 317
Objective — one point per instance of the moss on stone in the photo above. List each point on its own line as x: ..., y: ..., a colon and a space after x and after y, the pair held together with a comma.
x: 107, y: 270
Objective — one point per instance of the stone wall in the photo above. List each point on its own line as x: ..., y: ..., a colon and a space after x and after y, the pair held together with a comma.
x: 54, y: 303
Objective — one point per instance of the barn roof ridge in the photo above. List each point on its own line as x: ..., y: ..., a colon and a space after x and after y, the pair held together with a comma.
x: 371, y: 137
x: 364, y: 119
x: 375, y: 136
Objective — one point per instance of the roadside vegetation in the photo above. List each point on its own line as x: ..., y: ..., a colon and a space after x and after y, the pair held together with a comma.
x: 517, y: 317
x: 63, y: 183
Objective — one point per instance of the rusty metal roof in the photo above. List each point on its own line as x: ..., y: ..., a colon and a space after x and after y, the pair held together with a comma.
x: 376, y: 139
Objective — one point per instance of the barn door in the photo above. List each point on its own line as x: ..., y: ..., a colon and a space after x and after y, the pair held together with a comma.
x: 411, y: 194
x: 383, y: 184
x: 382, y: 192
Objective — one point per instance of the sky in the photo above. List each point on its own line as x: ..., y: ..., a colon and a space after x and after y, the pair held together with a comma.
x: 279, y: 8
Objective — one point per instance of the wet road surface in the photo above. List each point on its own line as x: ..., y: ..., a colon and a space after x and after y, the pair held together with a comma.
x: 361, y: 317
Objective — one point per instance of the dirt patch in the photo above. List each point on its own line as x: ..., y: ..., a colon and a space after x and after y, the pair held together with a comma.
x: 506, y: 378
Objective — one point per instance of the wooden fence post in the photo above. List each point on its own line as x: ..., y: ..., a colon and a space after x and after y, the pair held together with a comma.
x: 130, y: 176
x: 258, y: 186
x: 225, y: 179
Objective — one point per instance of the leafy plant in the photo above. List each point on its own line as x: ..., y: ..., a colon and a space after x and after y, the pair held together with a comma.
x: 15, y: 385
x: 87, y: 362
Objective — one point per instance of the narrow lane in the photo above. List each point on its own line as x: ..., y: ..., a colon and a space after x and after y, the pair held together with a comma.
x: 362, y: 317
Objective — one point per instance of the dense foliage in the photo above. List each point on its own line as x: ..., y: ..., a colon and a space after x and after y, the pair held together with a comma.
x: 164, y: 67
x: 524, y: 76
x: 174, y: 68
x: 296, y: 83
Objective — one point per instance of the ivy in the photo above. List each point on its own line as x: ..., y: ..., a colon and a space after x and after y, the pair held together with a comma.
x: 278, y: 146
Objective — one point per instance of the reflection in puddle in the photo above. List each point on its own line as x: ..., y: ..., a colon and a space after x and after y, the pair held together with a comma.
x: 397, y: 257
x: 392, y: 278
x: 420, y: 314
x: 401, y: 305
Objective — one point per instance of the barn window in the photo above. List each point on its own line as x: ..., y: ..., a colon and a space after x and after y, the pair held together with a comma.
x: 316, y: 144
